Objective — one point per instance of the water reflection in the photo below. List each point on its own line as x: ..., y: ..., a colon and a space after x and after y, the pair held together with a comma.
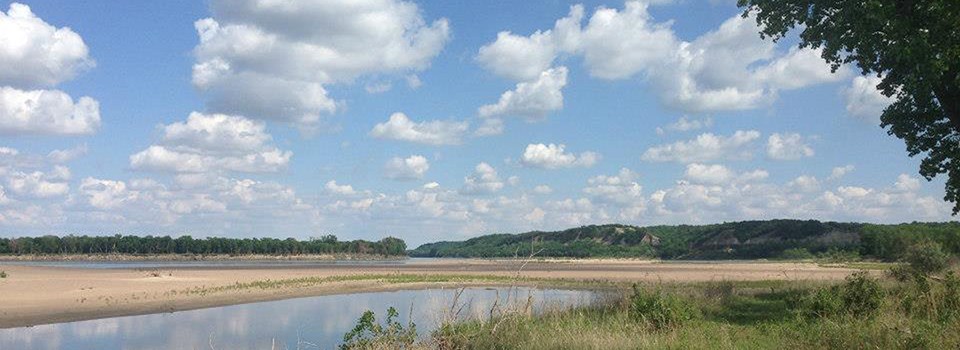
x: 280, y: 324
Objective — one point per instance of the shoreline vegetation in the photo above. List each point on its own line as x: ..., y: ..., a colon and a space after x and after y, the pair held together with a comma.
x: 745, y: 240
x: 187, y: 246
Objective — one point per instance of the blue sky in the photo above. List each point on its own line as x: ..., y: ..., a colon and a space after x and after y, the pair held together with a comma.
x: 429, y: 120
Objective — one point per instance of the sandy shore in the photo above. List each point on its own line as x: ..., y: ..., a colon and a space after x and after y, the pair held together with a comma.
x: 33, y: 295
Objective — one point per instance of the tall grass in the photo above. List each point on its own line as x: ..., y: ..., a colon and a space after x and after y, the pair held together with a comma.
x: 860, y: 313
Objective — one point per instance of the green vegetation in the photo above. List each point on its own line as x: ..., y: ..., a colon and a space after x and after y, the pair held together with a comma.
x: 772, y: 239
x: 153, y: 245
x: 368, y: 333
x: 860, y: 313
x: 919, y: 309
x: 3, y: 274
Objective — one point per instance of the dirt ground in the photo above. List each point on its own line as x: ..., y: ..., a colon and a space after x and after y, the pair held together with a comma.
x: 32, y: 295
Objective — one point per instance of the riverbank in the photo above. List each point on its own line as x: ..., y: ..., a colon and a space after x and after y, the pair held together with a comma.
x: 40, y: 295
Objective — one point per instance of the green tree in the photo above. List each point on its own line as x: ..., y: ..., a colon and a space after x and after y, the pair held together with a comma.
x: 913, y: 45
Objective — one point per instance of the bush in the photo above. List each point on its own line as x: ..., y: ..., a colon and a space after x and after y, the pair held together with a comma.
x: 3, y: 274
x: 921, y: 260
x: 658, y: 309
x: 368, y: 333
x: 862, y: 295
x: 796, y: 254
x: 859, y: 296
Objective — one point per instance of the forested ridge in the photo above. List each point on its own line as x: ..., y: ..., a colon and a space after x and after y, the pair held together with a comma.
x: 769, y: 239
x: 151, y: 245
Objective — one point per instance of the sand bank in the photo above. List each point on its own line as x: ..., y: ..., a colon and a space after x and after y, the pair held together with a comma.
x: 33, y: 295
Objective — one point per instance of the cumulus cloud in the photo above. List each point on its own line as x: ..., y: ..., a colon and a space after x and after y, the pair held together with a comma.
x: 343, y: 190
x: 517, y: 57
x: 410, y: 168
x: 729, y: 68
x: 686, y: 124
x: 66, y: 155
x: 706, y: 147
x: 273, y: 60
x: 542, y: 189
x: 839, y: 172
x: 553, y: 156
x: 34, y: 53
x: 531, y: 100
x: 788, y: 146
x: 484, y: 180
x: 50, y: 112
x: 621, y: 188
x: 39, y: 184
x: 864, y: 100
x: 212, y: 142
x: 437, y: 132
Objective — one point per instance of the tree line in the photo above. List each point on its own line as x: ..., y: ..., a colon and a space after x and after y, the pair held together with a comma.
x: 151, y: 245
x: 764, y: 239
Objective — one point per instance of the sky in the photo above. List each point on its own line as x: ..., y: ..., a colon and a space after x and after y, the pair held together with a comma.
x: 430, y: 120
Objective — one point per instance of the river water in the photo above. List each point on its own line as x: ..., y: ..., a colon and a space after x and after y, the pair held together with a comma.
x: 304, y: 323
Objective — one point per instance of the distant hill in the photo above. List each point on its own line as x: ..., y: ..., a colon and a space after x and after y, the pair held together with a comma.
x: 768, y: 239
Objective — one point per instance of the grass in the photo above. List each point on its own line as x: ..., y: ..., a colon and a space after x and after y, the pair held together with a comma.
x: 305, y: 282
x: 728, y: 315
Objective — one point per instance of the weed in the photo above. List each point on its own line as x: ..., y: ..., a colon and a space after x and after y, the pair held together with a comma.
x: 658, y: 309
x: 368, y: 333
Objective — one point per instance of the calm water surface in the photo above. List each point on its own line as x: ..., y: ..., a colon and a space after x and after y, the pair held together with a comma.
x: 279, y: 324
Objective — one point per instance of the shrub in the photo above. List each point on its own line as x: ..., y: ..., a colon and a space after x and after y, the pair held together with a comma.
x: 859, y: 296
x: 921, y: 260
x: 3, y: 274
x: 796, y: 254
x: 368, y: 333
x: 862, y: 295
x: 658, y: 309
x: 822, y: 302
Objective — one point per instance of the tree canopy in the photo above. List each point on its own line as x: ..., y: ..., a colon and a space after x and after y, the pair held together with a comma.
x: 912, y: 45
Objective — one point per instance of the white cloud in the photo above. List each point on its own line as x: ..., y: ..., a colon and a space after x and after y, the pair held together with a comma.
x: 789, y: 146
x: 709, y: 174
x: 489, y: 127
x: 805, y: 183
x: 213, y: 142
x: 38, y: 184
x: 542, y: 189
x: 864, y: 100
x: 34, y: 53
x: 706, y: 147
x: 619, y: 44
x: 716, y: 174
x: 839, y: 172
x: 729, y: 68
x: 272, y: 60
x: 410, y: 168
x: 484, y: 180
x: 516, y: 57
x: 66, y: 155
x: 621, y: 188
x: 531, y: 100
x: 552, y: 156
x: 686, y: 124
x: 343, y: 190
x: 400, y: 127
x: 50, y: 112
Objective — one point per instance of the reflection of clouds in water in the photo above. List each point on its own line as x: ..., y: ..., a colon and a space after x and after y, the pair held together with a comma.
x: 96, y: 328
x: 320, y: 320
x: 36, y: 337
